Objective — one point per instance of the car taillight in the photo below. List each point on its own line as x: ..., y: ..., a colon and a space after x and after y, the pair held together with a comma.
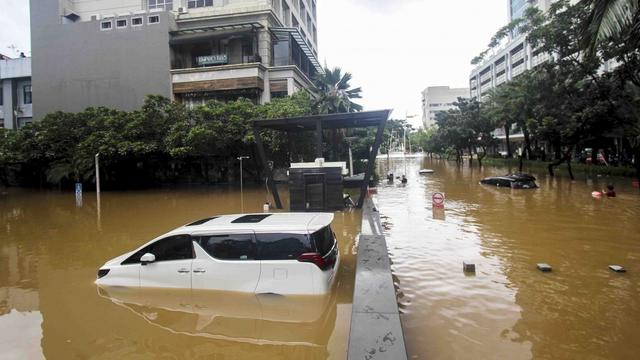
x: 315, y: 258
x: 102, y: 273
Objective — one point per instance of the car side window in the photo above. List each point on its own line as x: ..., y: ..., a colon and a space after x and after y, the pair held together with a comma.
x: 283, y: 246
x: 178, y: 247
x: 229, y: 247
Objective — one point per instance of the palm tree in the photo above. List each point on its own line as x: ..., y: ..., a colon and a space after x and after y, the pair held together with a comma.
x: 334, y: 92
x: 607, y: 19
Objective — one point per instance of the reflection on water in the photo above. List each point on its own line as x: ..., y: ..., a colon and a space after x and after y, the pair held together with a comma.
x: 509, y: 310
x: 305, y: 322
x: 50, y: 251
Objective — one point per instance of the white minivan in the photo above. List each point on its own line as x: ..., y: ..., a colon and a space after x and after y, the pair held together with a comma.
x: 280, y: 253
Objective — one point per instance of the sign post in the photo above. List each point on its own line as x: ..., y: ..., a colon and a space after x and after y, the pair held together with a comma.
x: 438, y: 200
x: 78, y: 194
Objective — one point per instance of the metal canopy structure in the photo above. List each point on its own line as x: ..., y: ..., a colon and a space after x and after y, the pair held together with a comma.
x: 299, y: 39
x: 209, y: 29
x: 317, y: 123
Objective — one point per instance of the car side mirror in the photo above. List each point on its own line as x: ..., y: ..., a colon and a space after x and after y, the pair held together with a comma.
x: 147, y: 258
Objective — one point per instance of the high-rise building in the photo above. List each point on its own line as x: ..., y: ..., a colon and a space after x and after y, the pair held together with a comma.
x: 439, y: 98
x: 15, y: 91
x: 115, y: 52
x: 514, y: 58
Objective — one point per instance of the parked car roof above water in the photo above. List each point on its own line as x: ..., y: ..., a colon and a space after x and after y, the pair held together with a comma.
x: 260, y: 222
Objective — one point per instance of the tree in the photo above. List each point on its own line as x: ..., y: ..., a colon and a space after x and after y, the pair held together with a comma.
x: 162, y: 141
x: 609, y: 19
x: 335, y: 93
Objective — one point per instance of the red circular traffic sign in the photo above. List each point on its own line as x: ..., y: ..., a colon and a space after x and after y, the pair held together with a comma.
x: 438, y: 199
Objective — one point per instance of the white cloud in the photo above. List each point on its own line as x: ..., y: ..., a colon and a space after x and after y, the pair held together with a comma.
x: 14, y: 27
x: 395, y: 49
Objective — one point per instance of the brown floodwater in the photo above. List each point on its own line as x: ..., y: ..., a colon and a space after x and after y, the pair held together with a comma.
x: 50, y: 250
x: 509, y: 309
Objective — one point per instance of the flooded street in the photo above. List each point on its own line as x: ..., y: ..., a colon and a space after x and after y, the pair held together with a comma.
x: 50, y: 251
x: 508, y: 309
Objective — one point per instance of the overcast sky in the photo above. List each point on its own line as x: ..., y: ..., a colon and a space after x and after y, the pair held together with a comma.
x: 394, y: 49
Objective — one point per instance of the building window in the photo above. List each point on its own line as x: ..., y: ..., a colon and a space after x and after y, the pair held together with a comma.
x: 1, y: 95
x: 199, y: 3
x: 106, y: 25
x: 121, y: 23
x: 26, y: 91
x: 161, y: 4
x: 22, y: 122
x: 286, y: 13
x: 153, y: 19
x: 136, y: 21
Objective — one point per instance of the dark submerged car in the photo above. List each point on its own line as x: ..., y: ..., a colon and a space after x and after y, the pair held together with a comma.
x: 514, y: 181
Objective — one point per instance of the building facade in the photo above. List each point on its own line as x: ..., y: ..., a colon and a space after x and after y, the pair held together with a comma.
x: 115, y: 52
x: 15, y: 92
x: 439, y: 98
x: 514, y: 58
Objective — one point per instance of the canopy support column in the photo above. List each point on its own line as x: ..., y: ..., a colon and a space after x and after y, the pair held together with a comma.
x: 263, y: 158
x: 318, y: 139
x: 371, y: 163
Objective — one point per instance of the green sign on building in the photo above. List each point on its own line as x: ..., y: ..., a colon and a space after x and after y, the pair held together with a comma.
x: 219, y: 59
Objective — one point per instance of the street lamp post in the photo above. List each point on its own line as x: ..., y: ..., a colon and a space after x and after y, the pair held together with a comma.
x: 98, y: 207
x: 241, y: 183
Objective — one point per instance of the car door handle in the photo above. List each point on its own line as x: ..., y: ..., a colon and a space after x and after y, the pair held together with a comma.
x: 184, y: 271
x: 199, y: 271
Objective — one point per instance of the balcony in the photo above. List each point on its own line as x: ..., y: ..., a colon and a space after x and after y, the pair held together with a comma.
x: 215, y: 46
x: 227, y: 77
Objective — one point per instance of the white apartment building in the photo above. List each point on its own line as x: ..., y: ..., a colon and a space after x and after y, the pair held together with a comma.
x: 115, y: 52
x: 514, y: 58
x: 439, y: 98
x: 15, y: 92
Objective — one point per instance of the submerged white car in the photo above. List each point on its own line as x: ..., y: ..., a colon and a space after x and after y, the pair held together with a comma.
x: 280, y: 253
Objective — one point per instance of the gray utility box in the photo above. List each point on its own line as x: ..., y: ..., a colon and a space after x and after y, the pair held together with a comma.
x: 316, y: 189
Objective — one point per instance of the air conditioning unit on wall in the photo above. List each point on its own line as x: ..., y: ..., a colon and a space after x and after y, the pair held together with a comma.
x: 182, y: 10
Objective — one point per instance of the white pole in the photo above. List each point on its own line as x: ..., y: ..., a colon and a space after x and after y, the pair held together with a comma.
x: 97, y: 173
x: 98, y: 206
x: 350, y: 161
x: 241, y: 184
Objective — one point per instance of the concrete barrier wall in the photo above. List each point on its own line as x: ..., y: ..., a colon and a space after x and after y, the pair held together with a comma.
x: 376, y: 331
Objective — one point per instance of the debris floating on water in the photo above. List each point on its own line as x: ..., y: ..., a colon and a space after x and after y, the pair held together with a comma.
x: 544, y: 267
x: 468, y: 266
x: 617, y: 268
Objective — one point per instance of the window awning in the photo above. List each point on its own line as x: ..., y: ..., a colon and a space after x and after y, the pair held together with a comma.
x: 297, y: 36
